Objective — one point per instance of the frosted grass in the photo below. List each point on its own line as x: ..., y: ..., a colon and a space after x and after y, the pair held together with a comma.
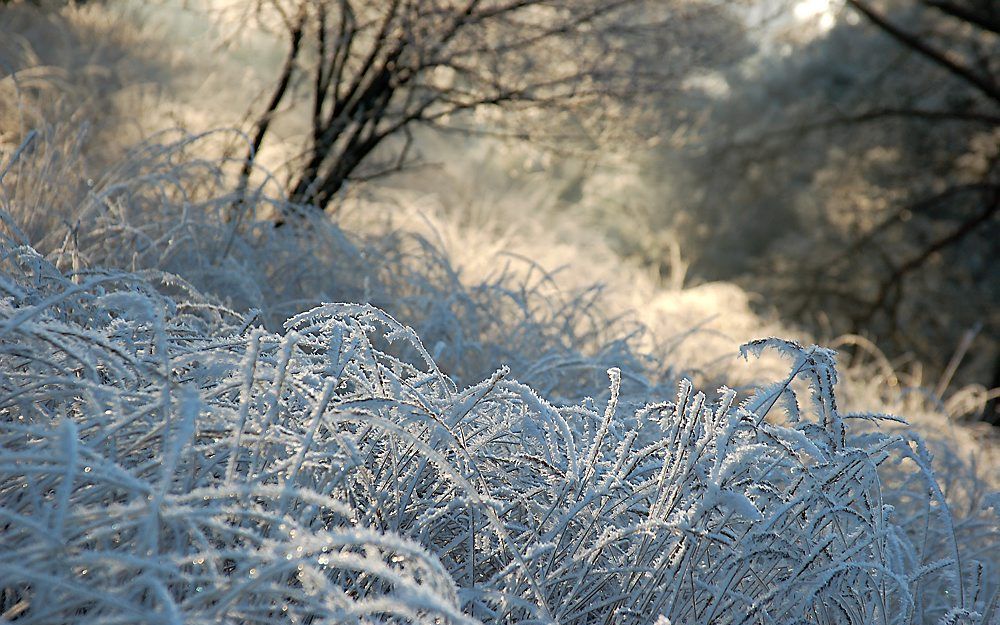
x: 165, y: 460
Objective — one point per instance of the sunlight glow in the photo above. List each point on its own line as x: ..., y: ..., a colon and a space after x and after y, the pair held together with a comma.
x: 807, y: 9
x: 820, y: 10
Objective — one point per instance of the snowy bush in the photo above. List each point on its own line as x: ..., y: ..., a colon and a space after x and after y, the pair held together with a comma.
x: 164, y: 459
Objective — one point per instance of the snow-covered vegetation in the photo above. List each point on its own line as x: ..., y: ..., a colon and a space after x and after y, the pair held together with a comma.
x: 208, y: 419
x: 167, y: 458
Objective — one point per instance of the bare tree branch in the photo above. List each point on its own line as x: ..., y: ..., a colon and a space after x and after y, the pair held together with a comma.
x: 264, y: 121
x: 983, y: 83
x: 967, y: 227
x: 377, y: 67
x: 989, y: 22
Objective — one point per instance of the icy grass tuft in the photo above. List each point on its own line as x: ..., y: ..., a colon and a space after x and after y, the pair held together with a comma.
x: 164, y: 459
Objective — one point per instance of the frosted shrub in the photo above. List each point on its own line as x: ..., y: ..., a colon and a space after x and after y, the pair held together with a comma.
x: 164, y: 459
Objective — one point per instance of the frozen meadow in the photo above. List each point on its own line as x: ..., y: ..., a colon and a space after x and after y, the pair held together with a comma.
x: 396, y: 417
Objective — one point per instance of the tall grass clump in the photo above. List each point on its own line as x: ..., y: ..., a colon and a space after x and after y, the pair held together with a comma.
x: 164, y: 207
x: 166, y: 459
